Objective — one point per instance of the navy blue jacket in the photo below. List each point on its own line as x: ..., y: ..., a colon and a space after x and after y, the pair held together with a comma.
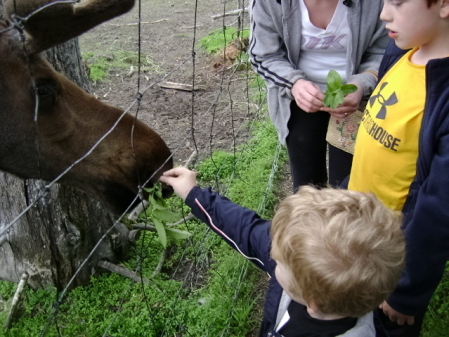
x: 249, y: 235
x: 426, y: 210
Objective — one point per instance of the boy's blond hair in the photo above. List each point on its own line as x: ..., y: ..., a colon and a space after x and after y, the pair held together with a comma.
x: 344, y: 249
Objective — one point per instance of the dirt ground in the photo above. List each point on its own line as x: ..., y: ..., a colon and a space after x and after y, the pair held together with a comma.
x: 167, y: 35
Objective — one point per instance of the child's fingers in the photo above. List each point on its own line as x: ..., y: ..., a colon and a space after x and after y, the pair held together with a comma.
x: 175, y: 172
x: 165, y: 179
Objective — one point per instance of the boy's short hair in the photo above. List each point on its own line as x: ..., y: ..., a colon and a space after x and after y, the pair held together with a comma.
x: 431, y: 2
x: 344, y: 249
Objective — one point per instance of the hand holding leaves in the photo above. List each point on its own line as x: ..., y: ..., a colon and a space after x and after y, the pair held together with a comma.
x: 336, y: 90
x: 159, y: 212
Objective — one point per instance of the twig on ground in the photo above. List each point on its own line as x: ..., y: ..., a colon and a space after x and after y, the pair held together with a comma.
x: 192, y: 157
x: 131, y: 71
x: 109, y: 91
x: 178, y: 86
x: 123, y: 271
x: 188, y: 217
x: 144, y: 227
x: 137, y: 210
x: 136, y: 23
x: 235, y: 12
x: 16, y: 300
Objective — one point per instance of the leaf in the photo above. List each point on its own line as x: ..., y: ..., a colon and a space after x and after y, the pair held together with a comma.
x: 347, y: 89
x: 333, y: 80
x: 165, y: 215
x: 177, y: 234
x: 161, y: 232
x: 328, y: 99
x: 334, y: 99
x: 336, y: 90
x: 339, y: 98
x: 158, y: 190
x: 157, y: 203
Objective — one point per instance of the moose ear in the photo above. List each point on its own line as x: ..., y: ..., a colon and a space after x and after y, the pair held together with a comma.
x: 48, y: 23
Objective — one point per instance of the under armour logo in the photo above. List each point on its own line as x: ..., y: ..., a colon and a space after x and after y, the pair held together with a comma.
x: 384, y: 103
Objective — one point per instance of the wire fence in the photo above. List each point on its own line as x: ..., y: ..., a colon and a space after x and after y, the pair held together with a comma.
x: 193, y: 255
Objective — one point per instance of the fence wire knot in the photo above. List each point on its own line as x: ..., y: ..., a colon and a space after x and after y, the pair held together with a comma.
x: 140, y: 193
x: 18, y: 22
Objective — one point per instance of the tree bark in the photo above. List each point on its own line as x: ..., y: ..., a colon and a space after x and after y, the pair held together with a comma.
x: 54, y: 237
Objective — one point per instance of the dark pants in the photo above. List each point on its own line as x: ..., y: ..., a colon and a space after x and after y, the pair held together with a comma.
x: 307, y: 146
x: 395, y: 330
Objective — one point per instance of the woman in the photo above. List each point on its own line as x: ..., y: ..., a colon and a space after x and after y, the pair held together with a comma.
x: 294, y: 44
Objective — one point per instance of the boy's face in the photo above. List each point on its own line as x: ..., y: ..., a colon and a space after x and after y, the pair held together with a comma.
x: 411, y: 23
x: 284, y: 277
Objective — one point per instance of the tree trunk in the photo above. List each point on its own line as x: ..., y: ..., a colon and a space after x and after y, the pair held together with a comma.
x: 53, y: 239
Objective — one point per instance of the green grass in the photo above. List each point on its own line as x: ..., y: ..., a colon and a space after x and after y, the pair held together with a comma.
x: 220, y: 37
x: 436, y: 322
x: 101, y: 64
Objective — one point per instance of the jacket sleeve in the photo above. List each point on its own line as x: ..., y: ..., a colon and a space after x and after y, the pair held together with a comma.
x: 267, y: 50
x: 240, y: 227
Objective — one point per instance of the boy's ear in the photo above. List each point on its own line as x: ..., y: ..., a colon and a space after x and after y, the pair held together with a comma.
x: 444, y: 10
x: 311, y: 305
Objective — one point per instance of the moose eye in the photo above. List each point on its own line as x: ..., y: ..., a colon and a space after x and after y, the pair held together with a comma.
x: 46, y: 93
x: 45, y: 88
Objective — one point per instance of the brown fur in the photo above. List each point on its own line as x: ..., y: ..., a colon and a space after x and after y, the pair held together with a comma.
x: 70, y: 121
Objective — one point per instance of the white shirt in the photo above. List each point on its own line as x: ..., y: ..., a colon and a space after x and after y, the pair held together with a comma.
x: 324, y: 49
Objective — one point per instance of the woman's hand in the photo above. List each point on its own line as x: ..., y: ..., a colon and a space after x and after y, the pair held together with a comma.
x: 308, y: 96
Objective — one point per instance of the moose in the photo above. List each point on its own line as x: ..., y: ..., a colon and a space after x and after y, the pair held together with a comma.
x: 48, y: 122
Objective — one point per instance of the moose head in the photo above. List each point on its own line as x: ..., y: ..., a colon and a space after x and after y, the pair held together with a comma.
x: 48, y: 122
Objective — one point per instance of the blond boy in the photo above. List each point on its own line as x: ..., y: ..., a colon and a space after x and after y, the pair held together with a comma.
x: 334, y: 255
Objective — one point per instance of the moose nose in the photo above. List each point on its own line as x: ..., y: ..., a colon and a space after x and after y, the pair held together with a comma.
x: 167, y: 190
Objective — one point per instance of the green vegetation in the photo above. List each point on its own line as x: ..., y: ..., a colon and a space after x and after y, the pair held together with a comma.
x: 159, y: 213
x: 101, y: 63
x: 436, y: 322
x: 336, y: 90
x: 220, y: 38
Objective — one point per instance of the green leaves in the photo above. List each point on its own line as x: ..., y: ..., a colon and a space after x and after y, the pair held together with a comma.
x: 336, y: 90
x: 160, y: 214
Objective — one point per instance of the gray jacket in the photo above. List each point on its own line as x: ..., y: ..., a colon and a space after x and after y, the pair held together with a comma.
x: 363, y: 328
x: 275, y: 48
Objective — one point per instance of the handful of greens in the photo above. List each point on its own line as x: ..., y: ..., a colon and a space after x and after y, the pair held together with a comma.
x: 336, y: 90
x: 158, y: 210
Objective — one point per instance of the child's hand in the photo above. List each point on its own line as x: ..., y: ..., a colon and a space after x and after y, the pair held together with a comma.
x: 396, y: 316
x: 181, y: 179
